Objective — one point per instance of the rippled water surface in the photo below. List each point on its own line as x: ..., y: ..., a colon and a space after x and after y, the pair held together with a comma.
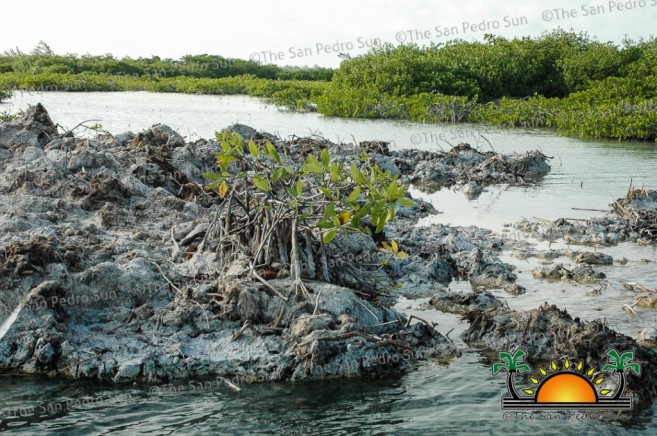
x: 453, y: 397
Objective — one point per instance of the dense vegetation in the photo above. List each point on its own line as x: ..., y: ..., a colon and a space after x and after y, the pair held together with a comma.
x: 563, y: 80
x: 42, y: 71
x: 42, y: 60
x: 295, y: 94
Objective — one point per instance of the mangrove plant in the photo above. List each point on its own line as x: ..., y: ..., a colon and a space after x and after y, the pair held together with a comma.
x: 274, y: 209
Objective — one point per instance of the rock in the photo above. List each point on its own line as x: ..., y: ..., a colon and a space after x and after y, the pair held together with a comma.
x: 128, y: 371
x: 432, y: 170
x: 100, y: 237
x: 45, y: 354
x: 307, y: 324
x: 472, y: 190
x: 441, y: 254
x: 594, y: 258
x: 583, y: 273
x: 123, y: 138
x: 646, y: 301
x: 245, y: 131
x: 197, y: 232
x: 32, y: 153
x: 635, y: 221
x: 515, y: 289
x: 420, y: 209
x: 34, y: 128
x: 386, y: 164
x: 648, y: 337
x: 464, y: 304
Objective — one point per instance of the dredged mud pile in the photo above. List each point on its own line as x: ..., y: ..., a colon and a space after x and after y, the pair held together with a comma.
x: 103, y: 277
x: 632, y: 218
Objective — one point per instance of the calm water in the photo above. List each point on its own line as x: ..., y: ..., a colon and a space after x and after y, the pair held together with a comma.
x: 458, y: 397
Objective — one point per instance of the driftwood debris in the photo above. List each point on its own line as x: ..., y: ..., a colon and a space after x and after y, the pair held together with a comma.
x: 639, y: 208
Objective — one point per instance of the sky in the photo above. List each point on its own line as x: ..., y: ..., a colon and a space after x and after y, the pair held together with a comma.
x: 300, y: 32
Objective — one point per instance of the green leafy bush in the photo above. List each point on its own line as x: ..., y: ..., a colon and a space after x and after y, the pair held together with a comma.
x: 5, y: 94
x: 279, y: 207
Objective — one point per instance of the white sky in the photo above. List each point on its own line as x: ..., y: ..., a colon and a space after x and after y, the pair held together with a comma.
x: 239, y: 28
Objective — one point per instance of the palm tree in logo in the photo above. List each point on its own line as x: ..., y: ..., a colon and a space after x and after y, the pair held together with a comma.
x: 620, y: 363
x: 512, y: 364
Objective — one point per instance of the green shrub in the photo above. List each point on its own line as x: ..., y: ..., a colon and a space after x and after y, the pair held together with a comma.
x: 5, y: 94
x: 281, y: 208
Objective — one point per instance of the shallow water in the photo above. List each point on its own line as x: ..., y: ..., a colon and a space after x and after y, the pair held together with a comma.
x: 448, y: 398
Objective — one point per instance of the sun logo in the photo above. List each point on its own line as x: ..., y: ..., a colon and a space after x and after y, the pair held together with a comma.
x: 570, y: 387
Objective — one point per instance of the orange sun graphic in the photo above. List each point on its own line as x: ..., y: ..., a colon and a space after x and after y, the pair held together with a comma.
x: 566, y: 388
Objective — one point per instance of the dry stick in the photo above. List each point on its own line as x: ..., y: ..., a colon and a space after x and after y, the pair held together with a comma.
x: 419, y: 319
x: 229, y: 384
x: 295, y: 268
x: 589, y: 210
x: 631, y: 308
x: 394, y: 342
x: 279, y: 317
x: 491, y: 145
x: 247, y: 326
x: 348, y: 335
x: 309, y: 250
x: 207, y: 320
x: 77, y: 363
x: 262, y: 238
x: 270, y: 240
x: 366, y: 308
x: 228, y: 212
x: 265, y: 238
x: 282, y: 252
x: 221, y: 251
x: 71, y: 131
x: 323, y: 260
x: 317, y: 302
x: 639, y: 286
x: 210, y: 227
x: 268, y: 285
x: 177, y: 250
x: 381, y: 324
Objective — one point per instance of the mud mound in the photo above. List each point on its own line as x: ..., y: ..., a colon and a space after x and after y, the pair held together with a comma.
x: 464, y: 164
x: 635, y: 220
x: 107, y: 272
x: 34, y: 128
x: 639, y: 208
x: 440, y: 254
x: 464, y: 303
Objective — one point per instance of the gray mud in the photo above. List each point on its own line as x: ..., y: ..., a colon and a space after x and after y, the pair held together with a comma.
x: 103, y: 276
